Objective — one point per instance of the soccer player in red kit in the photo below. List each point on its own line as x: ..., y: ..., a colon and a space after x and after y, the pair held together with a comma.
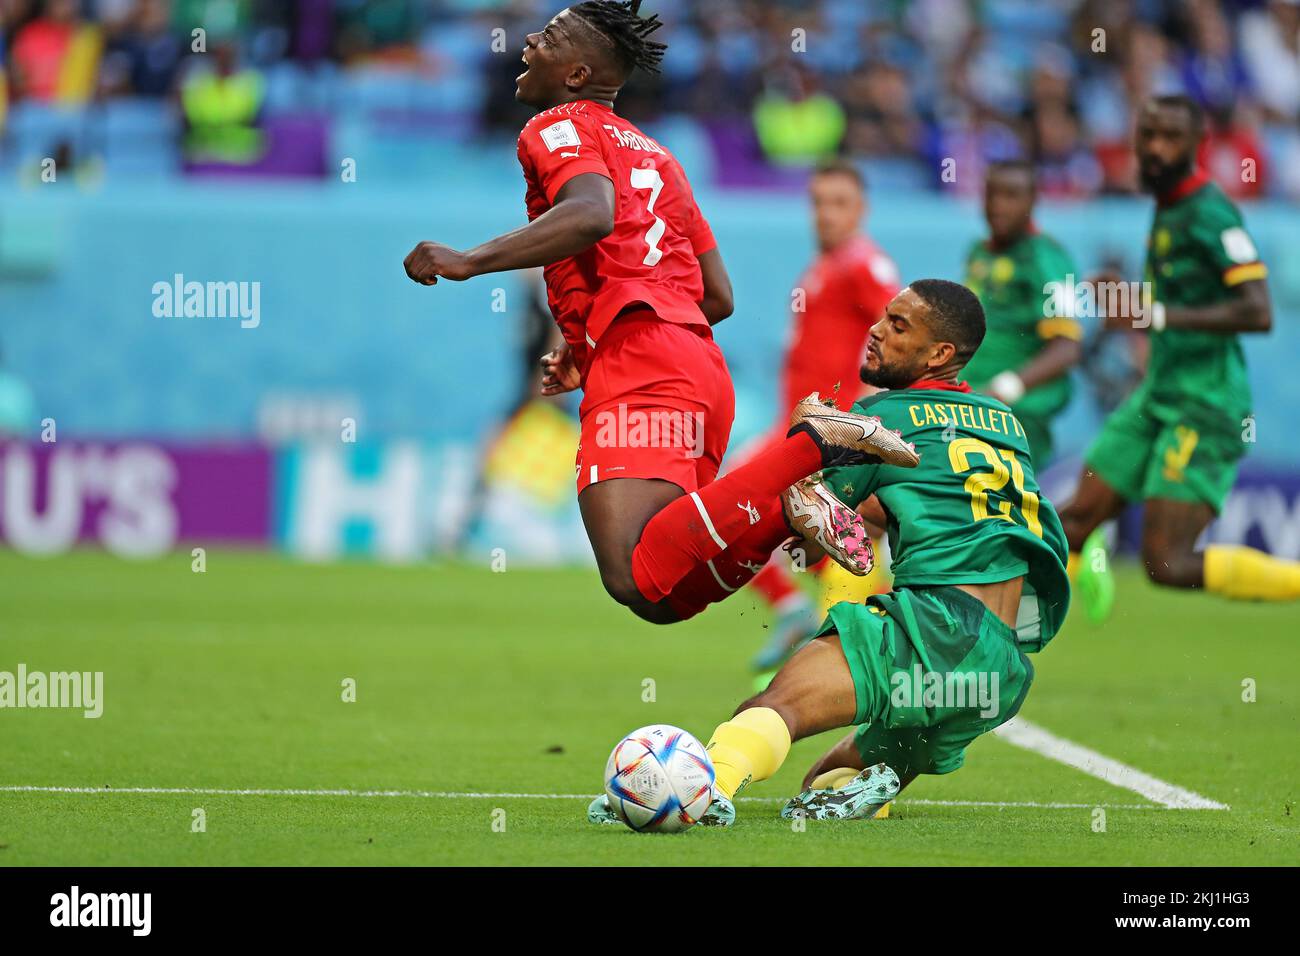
x: 635, y: 280
x: 840, y: 296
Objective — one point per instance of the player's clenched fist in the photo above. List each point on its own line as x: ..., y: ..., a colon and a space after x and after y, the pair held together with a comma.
x: 430, y: 261
x: 559, y: 373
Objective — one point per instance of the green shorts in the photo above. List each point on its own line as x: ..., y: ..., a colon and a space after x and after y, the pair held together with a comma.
x: 932, y: 669
x: 1149, y: 451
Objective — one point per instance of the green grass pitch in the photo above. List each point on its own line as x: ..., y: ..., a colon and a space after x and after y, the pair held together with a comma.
x: 474, y: 682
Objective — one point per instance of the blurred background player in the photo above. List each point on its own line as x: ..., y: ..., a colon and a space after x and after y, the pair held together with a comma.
x: 837, y: 300
x: 527, y: 449
x: 1176, y: 442
x: 1025, y: 282
x: 635, y: 281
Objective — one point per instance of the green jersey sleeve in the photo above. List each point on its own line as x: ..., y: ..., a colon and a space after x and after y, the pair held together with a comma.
x: 1058, y: 281
x: 852, y: 484
x: 1227, y: 247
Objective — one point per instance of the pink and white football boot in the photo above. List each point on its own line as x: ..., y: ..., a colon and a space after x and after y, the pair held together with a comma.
x: 816, y: 515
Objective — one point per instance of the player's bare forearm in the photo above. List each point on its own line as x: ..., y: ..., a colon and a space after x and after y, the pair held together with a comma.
x: 873, y: 515
x: 1057, y: 357
x: 1250, y: 310
x: 583, y: 215
x: 573, y: 225
x: 717, y: 303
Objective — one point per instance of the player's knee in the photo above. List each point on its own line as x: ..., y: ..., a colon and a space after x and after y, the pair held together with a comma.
x: 621, y: 586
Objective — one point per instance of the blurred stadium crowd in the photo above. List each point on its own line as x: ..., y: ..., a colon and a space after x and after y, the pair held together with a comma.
x: 771, y: 84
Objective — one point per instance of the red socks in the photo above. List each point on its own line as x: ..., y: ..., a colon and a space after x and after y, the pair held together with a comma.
x: 703, y: 524
x: 728, y: 572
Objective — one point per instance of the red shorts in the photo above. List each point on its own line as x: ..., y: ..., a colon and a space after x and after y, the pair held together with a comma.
x: 657, y: 403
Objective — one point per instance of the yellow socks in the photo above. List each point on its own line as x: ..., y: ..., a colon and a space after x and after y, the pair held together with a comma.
x: 1072, y: 566
x: 834, y: 584
x: 834, y: 779
x: 750, y: 746
x: 1245, y: 573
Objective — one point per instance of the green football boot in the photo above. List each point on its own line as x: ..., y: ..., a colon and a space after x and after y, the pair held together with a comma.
x: 599, y: 811
x: 858, y: 799
x: 721, y: 812
x: 1096, y: 582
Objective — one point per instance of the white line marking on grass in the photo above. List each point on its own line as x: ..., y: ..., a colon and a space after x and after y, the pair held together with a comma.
x: 467, y: 795
x: 1031, y: 737
x: 259, y: 792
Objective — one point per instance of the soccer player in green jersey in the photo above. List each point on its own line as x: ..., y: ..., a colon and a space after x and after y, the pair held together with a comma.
x: 1024, y: 280
x: 979, y: 580
x: 1176, y: 442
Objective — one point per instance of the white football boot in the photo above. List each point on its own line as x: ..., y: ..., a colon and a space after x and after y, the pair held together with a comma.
x: 847, y: 438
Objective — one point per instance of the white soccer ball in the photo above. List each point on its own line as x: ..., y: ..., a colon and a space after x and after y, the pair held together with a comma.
x: 659, y: 779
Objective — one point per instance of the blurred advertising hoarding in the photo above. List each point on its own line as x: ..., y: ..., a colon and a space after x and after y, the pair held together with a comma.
x: 399, y: 502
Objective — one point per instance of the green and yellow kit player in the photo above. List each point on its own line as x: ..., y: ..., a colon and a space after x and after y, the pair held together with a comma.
x: 1024, y: 280
x: 979, y: 580
x: 1175, y: 443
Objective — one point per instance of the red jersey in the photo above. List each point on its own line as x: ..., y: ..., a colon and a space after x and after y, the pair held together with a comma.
x: 845, y: 290
x: 650, y: 257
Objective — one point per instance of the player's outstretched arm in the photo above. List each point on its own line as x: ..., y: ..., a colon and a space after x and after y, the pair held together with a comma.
x: 583, y: 215
x: 1055, y: 359
x: 1249, y: 310
x: 717, y: 303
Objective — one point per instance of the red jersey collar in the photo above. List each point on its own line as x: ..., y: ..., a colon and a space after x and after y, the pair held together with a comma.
x: 941, y: 385
x: 1193, y: 181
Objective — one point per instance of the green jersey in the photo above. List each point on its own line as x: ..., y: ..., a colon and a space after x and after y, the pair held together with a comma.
x: 1023, y: 310
x: 1197, y: 251
x: 971, y: 512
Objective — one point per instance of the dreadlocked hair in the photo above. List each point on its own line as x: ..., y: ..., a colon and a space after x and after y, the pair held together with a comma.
x: 627, y: 31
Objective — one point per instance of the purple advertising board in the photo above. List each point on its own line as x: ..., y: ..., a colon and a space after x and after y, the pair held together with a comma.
x: 135, y: 498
